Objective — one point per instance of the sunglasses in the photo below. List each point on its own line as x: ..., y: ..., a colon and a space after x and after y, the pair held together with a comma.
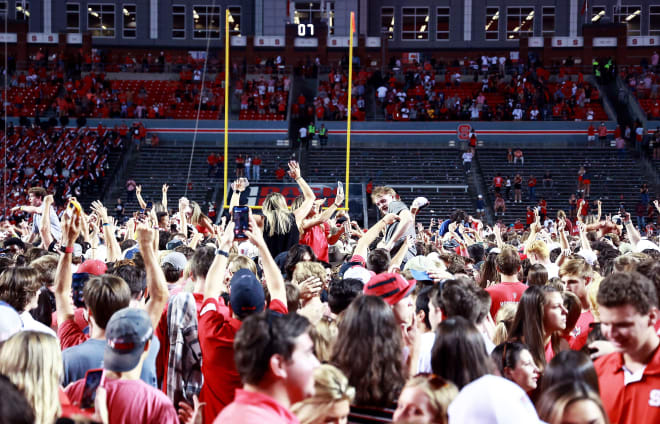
x: 434, y: 380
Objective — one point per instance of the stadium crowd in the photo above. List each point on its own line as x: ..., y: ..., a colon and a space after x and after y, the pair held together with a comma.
x: 300, y: 316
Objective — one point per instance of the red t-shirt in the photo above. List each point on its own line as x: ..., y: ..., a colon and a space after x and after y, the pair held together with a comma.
x: 530, y: 217
x: 217, y: 331
x: 578, y: 337
x: 255, y: 408
x: 497, y: 181
x: 70, y: 334
x: 504, y: 293
x: 636, y: 402
x: 316, y: 237
x: 131, y: 401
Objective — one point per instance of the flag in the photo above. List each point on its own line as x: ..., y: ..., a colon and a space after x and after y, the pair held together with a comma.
x: 585, y: 6
x: 352, y: 22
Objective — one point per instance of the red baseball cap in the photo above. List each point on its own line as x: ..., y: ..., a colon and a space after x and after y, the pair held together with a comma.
x: 93, y: 266
x: 389, y: 286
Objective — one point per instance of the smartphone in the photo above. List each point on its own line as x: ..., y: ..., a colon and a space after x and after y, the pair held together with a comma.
x: 77, y: 286
x: 241, y: 215
x: 93, y: 380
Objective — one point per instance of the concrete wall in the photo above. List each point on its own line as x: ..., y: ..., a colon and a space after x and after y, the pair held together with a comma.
x: 419, y: 134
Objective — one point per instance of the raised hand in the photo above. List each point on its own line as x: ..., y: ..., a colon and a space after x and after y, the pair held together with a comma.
x: 294, y: 170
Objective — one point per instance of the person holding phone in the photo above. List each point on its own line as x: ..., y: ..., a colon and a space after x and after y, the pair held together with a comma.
x: 316, y: 230
x: 280, y: 226
x: 127, y: 340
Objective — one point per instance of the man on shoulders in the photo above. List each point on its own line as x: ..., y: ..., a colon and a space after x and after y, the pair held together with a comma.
x: 384, y: 199
x: 628, y: 306
x: 36, y: 207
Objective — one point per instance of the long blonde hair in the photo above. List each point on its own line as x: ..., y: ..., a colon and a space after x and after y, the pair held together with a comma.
x: 197, y: 216
x: 277, y: 214
x: 33, y: 362
x: 330, y: 386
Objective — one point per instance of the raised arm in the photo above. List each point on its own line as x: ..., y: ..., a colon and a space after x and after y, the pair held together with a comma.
x: 406, y: 220
x: 215, y: 279
x: 326, y: 214
x: 274, y: 280
x: 138, y: 194
x: 183, y: 205
x: 156, y: 284
x: 114, y: 251
x: 302, y: 212
x: 63, y: 275
x: 44, y: 230
x: 164, y: 201
x: 633, y: 234
x: 657, y: 205
x: 362, y: 248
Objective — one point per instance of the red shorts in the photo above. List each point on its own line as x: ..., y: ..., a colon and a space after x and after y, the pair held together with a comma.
x: 586, y: 182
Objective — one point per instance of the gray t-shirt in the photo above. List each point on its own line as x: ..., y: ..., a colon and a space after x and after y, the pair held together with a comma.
x: 396, y: 207
x: 55, y: 228
x: 89, y: 355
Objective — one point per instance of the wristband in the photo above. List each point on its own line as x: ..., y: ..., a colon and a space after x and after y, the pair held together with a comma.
x: 67, y: 249
x: 222, y: 252
x: 106, y: 224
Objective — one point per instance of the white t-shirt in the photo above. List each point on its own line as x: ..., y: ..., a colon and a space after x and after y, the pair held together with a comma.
x: 382, y: 91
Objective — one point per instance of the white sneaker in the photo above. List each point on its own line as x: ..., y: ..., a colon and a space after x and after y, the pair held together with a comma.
x: 418, y: 204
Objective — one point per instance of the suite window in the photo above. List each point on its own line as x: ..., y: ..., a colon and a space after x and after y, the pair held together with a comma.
x: 548, y: 20
x: 206, y: 22
x: 415, y: 23
x: 73, y: 17
x: 387, y: 22
x: 654, y: 20
x: 492, y: 23
x: 129, y: 13
x: 442, y: 23
x: 519, y: 20
x: 101, y: 20
x: 307, y: 12
x: 22, y: 10
x: 178, y: 21
x: 632, y: 17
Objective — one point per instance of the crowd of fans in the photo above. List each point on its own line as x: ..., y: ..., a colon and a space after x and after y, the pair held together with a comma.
x: 420, y: 94
x: 67, y: 162
x: 169, y: 318
x: 264, y: 97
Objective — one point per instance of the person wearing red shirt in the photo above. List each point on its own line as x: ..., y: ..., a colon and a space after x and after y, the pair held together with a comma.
x: 510, y: 289
x: 315, y: 226
x: 276, y: 361
x: 628, y: 306
x: 256, y: 166
x: 219, y: 323
x: 602, y: 134
x: 530, y: 216
x: 576, y: 274
x: 497, y: 183
x: 280, y: 173
x: 591, y: 135
x: 531, y: 184
x: 518, y: 226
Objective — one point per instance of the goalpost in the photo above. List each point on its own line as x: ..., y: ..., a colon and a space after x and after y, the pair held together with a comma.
x: 348, y: 118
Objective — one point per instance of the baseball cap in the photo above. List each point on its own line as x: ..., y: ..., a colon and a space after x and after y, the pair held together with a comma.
x: 93, y: 266
x: 389, y: 286
x: 645, y: 244
x: 246, y: 294
x: 418, y: 267
x: 176, y: 259
x: 10, y: 321
x: 126, y: 334
x: 492, y: 400
x: 130, y: 253
x: 173, y: 244
x: 359, y: 273
x: 589, y: 256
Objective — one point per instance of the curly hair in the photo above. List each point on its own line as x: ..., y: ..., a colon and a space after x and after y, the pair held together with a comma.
x: 368, y: 350
x: 627, y: 288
